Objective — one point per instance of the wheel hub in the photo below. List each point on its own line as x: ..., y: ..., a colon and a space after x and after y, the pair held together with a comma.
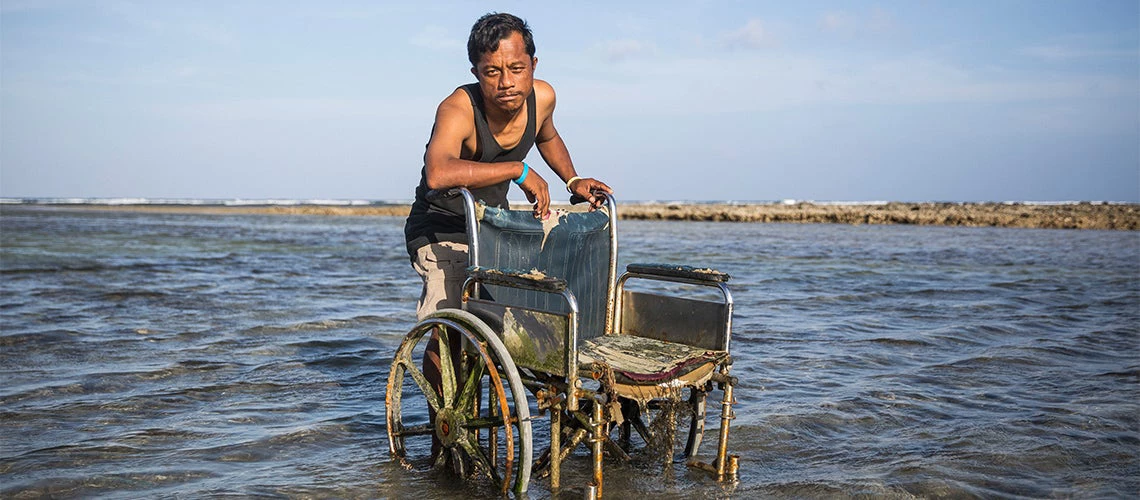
x: 449, y: 426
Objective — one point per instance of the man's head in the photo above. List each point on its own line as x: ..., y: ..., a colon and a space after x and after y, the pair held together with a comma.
x: 490, y: 29
x: 501, y: 50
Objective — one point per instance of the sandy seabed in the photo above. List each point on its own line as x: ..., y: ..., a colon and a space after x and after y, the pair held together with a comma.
x: 1124, y: 216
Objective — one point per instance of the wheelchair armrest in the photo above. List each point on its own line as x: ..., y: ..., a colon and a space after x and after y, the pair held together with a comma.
x: 533, y: 279
x: 703, y: 275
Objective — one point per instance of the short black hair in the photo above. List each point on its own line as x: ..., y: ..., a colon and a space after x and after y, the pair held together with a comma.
x: 491, y: 28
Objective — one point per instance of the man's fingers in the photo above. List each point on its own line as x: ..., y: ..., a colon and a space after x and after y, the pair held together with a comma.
x: 542, y: 207
x: 599, y: 185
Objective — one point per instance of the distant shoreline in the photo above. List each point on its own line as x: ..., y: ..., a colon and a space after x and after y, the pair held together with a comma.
x: 1119, y: 216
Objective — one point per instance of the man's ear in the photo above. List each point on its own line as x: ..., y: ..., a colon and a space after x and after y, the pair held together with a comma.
x: 475, y: 72
x: 534, y: 63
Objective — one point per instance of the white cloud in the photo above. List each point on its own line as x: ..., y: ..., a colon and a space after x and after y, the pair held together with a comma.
x: 211, y: 33
x: 620, y: 50
x: 1068, y: 53
x: 875, y: 22
x: 1112, y: 48
x: 751, y: 36
x: 436, y: 37
x: 837, y: 22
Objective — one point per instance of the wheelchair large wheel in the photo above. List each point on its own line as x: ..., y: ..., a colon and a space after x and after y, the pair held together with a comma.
x: 482, y: 421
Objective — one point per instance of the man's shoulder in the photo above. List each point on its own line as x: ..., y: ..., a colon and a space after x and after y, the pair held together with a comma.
x: 458, y: 101
x: 453, y: 117
x: 543, y: 93
x: 459, y: 95
x: 543, y: 87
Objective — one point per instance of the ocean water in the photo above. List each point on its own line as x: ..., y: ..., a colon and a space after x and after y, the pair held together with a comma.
x: 151, y: 355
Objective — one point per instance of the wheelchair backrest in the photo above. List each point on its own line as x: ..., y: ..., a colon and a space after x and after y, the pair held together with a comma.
x: 577, y: 247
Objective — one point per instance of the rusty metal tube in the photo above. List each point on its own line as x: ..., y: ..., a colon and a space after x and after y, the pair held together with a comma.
x: 592, y: 492
x: 575, y: 440
x: 726, y: 416
x: 555, y: 447
x: 596, y: 439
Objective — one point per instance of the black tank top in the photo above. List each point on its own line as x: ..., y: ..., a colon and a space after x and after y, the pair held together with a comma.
x: 443, y: 220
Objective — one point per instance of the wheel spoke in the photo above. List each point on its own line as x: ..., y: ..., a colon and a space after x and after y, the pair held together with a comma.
x: 394, y: 415
x: 471, y: 385
x: 424, y: 385
x: 415, y: 430
x: 476, y: 454
x: 440, y: 459
x: 446, y: 369
x: 483, y: 423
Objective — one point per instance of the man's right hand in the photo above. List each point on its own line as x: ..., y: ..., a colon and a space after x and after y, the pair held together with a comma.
x: 538, y: 193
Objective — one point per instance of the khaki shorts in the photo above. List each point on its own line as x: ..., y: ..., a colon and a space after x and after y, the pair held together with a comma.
x: 443, y: 268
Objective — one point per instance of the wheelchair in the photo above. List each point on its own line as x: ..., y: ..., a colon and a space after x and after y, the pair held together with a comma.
x: 546, y: 319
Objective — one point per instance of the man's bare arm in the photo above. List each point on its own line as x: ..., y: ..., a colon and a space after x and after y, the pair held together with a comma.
x: 444, y: 167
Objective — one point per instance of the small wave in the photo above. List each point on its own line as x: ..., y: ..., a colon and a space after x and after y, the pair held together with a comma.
x: 94, y: 267
x: 317, y: 325
x: 979, y: 362
x: 1132, y: 373
x: 33, y: 340
x: 121, y: 295
x: 320, y: 325
x: 900, y: 342
x: 269, y: 447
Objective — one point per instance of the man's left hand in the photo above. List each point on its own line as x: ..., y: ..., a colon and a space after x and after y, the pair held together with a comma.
x: 585, y: 187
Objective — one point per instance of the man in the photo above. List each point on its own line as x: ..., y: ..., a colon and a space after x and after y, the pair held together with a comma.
x: 482, y: 133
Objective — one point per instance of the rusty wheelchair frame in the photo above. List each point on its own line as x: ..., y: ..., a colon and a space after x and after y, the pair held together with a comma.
x: 545, y: 315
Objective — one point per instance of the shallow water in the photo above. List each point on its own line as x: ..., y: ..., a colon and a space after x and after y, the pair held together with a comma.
x: 190, y: 355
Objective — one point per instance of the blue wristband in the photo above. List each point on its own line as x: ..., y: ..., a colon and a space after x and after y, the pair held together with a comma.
x: 526, y: 170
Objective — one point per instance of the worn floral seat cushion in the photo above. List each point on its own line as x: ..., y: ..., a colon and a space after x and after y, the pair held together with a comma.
x: 646, y: 368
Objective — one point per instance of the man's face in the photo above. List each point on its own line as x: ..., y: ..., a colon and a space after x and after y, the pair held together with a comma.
x: 506, y: 76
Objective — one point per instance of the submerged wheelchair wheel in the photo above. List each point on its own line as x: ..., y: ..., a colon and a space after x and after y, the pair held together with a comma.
x: 482, y: 421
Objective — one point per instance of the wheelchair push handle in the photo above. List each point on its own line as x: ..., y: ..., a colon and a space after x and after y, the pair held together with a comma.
x: 578, y: 199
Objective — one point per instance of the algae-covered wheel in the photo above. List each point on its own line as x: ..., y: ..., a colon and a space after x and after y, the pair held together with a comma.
x: 482, y: 421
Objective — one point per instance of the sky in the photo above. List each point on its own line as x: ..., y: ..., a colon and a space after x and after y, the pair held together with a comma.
x: 969, y: 100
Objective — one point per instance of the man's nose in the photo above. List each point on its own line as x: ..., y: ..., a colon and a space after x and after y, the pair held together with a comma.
x: 507, y: 80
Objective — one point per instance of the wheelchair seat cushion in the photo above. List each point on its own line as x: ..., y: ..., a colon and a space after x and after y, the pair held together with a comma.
x: 646, y: 368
